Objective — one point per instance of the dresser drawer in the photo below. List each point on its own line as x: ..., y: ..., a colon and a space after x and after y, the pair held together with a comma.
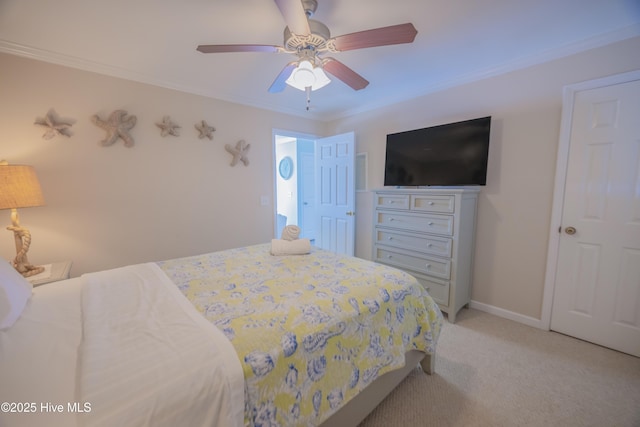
x: 440, y: 246
x: 439, y: 224
x: 393, y: 201
x: 440, y: 268
x: 441, y: 204
x: 438, y: 289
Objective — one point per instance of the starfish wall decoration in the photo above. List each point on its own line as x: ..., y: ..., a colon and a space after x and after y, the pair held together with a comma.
x: 205, y: 130
x: 117, y: 126
x: 168, y: 127
x: 53, y: 126
x: 239, y: 152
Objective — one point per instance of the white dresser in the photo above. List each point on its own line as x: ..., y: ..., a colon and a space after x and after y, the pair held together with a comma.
x: 429, y: 233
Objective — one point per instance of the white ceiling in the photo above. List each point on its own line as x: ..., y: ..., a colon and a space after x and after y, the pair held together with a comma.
x: 458, y: 41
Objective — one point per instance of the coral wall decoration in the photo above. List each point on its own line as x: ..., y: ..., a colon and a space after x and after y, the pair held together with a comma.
x: 239, y: 152
x: 205, y: 130
x: 53, y: 126
x: 117, y: 126
x: 168, y: 127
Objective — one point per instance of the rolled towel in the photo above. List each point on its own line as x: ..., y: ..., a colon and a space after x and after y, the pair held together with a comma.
x: 290, y: 247
x: 290, y: 232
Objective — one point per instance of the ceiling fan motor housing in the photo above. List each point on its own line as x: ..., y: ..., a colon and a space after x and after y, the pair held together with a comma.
x: 317, y: 39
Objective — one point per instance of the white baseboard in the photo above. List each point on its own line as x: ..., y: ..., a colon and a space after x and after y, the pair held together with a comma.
x: 501, y: 312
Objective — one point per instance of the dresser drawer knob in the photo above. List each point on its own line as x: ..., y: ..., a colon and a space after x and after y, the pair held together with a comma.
x: 391, y: 219
x: 427, y: 266
x: 389, y: 238
x: 389, y: 256
x: 430, y: 203
x: 429, y: 245
x: 430, y: 223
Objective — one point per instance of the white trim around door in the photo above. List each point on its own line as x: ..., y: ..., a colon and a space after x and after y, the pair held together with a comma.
x: 561, y: 175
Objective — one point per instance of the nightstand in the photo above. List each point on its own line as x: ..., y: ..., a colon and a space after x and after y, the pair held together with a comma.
x: 52, y: 273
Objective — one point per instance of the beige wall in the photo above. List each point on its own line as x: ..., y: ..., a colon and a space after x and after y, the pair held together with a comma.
x: 171, y: 197
x: 165, y: 197
x: 515, y: 206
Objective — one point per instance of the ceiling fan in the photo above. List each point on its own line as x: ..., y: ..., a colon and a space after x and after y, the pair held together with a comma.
x: 310, y: 40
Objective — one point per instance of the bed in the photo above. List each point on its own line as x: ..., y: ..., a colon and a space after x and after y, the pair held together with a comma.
x: 230, y: 338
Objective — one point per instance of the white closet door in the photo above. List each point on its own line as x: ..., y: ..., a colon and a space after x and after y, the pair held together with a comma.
x: 597, y: 286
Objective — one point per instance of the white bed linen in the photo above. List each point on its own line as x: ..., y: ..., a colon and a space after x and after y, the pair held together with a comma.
x: 41, y: 358
x: 148, y: 358
x: 38, y: 355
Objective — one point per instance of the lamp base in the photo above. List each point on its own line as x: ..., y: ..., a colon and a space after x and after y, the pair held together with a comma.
x: 27, y: 270
x: 22, y: 238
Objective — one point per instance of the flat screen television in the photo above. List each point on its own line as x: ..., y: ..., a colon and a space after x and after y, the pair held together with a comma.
x: 453, y: 154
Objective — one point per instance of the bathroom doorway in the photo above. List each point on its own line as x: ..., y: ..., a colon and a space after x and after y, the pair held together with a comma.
x: 315, y: 188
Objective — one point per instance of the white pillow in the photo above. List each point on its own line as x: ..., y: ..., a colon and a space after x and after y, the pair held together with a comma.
x: 15, y: 291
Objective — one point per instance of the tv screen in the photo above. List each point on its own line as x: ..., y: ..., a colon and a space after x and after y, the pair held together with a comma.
x: 453, y: 154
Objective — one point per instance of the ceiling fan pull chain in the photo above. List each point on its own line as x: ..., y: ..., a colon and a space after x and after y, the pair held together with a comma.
x: 308, y: 90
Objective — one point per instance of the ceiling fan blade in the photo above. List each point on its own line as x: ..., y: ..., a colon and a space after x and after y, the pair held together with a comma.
x: 294, y: 16
x: 395, y: 34
x: 279, y: 84
x: 223, y: 48
x: 344, y: 73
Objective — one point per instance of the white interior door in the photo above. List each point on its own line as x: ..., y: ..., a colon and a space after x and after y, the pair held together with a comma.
x: 335, y: 193
x: 596, y: 295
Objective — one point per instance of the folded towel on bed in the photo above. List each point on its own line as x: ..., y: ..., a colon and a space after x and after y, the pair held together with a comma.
x: 290, y: 232
x: 290, y: 247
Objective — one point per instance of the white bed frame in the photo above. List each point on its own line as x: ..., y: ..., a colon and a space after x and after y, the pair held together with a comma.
x: 366, y: 401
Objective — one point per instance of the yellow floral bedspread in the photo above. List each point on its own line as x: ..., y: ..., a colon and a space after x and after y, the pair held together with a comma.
x: 311, y: 331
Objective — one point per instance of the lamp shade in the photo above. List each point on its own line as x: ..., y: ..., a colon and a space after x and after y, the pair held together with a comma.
x: 19, y: 187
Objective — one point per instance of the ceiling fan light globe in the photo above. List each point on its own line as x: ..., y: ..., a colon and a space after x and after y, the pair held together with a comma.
x: 321, y: 79
x: 306, y: 75
x: 302, y: 76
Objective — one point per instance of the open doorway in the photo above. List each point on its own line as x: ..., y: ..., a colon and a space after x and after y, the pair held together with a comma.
x: 295, y: 183
x: 315, y: 188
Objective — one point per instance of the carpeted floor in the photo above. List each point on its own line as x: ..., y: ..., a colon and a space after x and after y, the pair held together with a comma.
x: 495, y: 372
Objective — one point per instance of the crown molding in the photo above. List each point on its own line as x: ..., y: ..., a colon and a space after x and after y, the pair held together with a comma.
x: 520, y: 63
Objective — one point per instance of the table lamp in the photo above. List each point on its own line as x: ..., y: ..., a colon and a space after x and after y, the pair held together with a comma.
x: 19, y: 188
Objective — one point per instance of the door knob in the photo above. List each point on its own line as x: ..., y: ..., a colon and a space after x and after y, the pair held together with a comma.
x: 351, y: 213
x: 570, y: 231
